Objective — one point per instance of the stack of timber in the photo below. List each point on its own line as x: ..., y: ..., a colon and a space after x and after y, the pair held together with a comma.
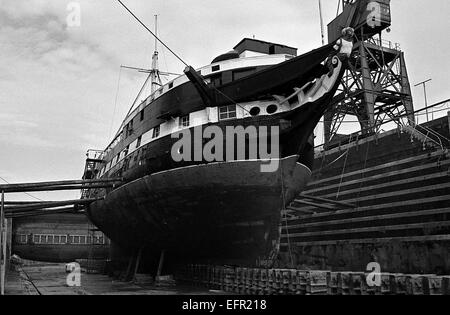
x: 400, y: 184
x: 254, y: 281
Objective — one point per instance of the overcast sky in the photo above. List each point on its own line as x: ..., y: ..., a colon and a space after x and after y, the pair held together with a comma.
x: 58, y: 83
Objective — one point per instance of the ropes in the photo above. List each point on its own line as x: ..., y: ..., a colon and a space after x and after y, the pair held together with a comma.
x: 154, y: 35
x: 364, y: 171
x: 285, y: 216
x: 115, y: 103
x: 343, y: 170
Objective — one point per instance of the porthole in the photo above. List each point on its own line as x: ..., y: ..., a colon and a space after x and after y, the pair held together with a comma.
x: 255, y: 111
x: 272, y: 109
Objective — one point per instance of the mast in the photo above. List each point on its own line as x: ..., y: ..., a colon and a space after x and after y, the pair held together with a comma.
x: 322, y: 29
x: 155, y: 77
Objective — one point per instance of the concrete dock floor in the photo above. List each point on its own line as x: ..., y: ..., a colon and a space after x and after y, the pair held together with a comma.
x: 50, y: 279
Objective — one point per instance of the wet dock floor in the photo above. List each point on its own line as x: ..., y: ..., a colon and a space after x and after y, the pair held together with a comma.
x: 51, y: 279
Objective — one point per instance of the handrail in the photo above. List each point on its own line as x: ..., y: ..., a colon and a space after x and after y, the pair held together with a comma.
x: 415, y: 113
x: 428, y: 134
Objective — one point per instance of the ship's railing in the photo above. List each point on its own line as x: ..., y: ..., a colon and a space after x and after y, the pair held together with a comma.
x: 385, y: 43
x: 95, y: 155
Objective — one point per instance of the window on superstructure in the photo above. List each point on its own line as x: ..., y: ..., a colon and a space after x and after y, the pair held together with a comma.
x: 142, y: 115
x: 36, y: 239
x: 129, y: 129
x: 63, y: 239
x: 216, y: 80
x: 215, y: 68
x: 184, y: 121
x: 138, y: 142
x: 170, y: 85
x: 156, y: 132
x: 272, y: 50
x: 227, y: 112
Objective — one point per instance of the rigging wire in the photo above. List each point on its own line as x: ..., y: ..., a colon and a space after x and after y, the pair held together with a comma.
x: 115, y: 103
x: 154, y: 35
x: 363, y: 174
x: 343, y: 169
x: 284, y: 210
x: 177, y: 56
x: 29, y: 195
x: 338, y: 8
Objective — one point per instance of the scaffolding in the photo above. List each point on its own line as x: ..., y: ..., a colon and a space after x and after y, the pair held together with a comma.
x: 375, y: 88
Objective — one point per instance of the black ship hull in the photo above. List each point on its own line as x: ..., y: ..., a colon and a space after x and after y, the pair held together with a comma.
x: 224, y: 211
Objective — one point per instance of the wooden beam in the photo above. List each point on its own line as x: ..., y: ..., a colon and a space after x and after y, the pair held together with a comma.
x: 47, y: 205
x: 21, y: 186
x: 402, y: 227
x: 40, y: 213
x: 315, y: 205
x: 59, y: 188
x: 161, y: 264
x: 413, y: 239
x: 394, y: 216
x: 391, y: 205
x: 20, y: 203
x: 3, y: 246
x: 300, y: 210
x: 335, y: 202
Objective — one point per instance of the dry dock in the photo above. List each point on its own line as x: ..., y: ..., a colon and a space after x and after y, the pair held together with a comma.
x: 50, y: 279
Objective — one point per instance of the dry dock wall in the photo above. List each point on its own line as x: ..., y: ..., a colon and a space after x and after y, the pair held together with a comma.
x: 401, y: 187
